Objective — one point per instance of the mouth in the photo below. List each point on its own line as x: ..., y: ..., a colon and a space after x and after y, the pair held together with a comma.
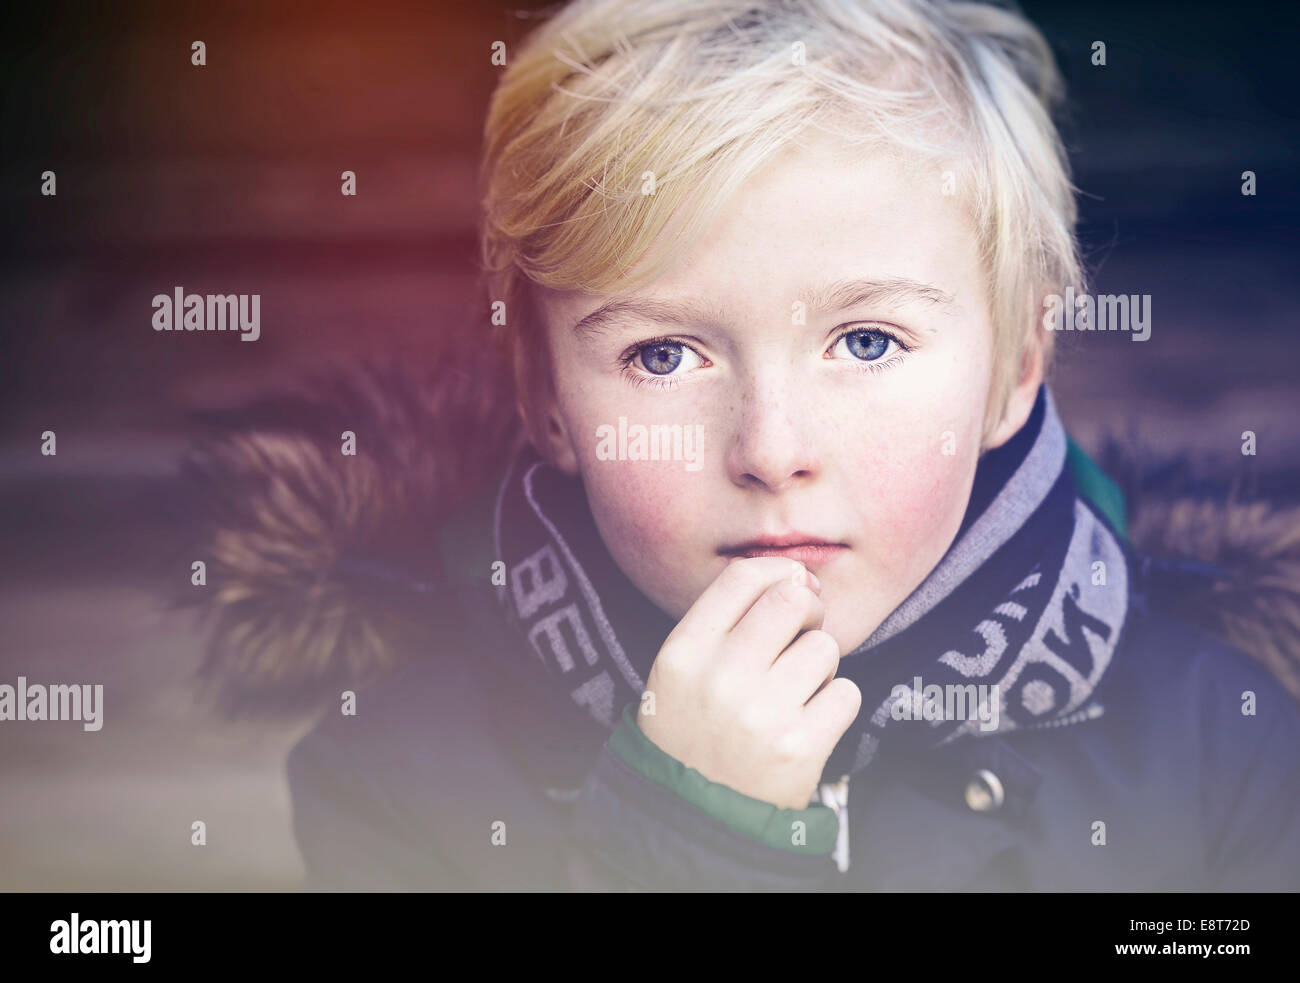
x: 812, y: 553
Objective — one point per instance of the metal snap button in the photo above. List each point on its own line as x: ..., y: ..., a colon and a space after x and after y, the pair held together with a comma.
x: 984, y: 792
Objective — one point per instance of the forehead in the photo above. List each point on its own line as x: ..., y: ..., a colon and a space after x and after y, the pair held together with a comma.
x: 812, y: 225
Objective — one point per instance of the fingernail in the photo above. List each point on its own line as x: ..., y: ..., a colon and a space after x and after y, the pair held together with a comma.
x: 816, y: 584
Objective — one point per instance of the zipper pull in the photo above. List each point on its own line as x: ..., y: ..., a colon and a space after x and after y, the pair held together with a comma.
x: 836, y: 795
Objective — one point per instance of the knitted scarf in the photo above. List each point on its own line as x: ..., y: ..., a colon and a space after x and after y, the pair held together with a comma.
x: 1028, y: 605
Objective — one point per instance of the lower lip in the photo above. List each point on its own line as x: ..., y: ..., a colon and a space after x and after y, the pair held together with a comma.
x: 812, y: 557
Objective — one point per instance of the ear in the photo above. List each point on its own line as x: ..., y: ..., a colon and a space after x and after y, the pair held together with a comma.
x: 1020, y: 401
x: 553, y: 433
x: 543, y: 419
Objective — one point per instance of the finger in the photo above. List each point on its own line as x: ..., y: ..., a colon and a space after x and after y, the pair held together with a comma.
x: 774, y: 621
x: 732, y: 593
x: 828, y: 714
x: 809, y: 662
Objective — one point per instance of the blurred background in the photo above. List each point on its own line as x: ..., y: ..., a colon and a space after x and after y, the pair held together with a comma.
x: 226, y: 179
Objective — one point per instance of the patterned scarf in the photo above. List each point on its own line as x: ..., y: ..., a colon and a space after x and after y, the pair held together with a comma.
x: 1027, y: 605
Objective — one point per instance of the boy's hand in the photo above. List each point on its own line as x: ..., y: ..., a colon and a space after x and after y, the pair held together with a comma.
x: 734, y: 688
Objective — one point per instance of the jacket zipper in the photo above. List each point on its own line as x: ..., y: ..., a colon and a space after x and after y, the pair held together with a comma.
x: 836, y: 795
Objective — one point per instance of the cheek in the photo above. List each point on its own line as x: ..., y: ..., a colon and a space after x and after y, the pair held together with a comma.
x: 912, y: 479
x: 652, y: 519
x: 918, y: 506
x: 652, y: 515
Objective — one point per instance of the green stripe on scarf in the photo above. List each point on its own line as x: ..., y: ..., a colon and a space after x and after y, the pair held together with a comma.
x: 1097, y: 487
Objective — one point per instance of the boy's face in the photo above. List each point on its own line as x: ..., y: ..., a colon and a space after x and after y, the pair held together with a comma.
x: 858, y: 423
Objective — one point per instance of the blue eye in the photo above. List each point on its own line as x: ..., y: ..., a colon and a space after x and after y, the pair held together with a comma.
x: 867, y: 346
x: 660, y: 357
x: 659, y: 362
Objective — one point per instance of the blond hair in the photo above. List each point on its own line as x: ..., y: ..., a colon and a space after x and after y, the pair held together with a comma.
x: 701, y: 93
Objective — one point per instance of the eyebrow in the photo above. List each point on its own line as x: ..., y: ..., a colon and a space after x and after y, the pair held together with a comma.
x: 822, y: 298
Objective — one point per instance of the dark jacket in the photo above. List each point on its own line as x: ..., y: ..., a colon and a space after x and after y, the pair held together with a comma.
x: 463, y: 769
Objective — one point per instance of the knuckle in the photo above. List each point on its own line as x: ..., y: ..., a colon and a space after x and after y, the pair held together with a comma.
x: 790, y: 746
x: 671, y: 659
x: 721, y: 686
x: 828, y: 640
x: 781, y: 593
x: 823, y: 666
x: 847, y: 692
x: 751, y: 721
x: 790, y: 594
x: 825, y: 648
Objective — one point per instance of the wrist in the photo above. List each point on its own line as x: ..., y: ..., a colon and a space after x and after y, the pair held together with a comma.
x: 812, y: 829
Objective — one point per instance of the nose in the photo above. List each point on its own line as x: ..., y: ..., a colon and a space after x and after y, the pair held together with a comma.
x: 772, y: 446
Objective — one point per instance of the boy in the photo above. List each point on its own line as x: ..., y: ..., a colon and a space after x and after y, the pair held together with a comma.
x: 798, y: 582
